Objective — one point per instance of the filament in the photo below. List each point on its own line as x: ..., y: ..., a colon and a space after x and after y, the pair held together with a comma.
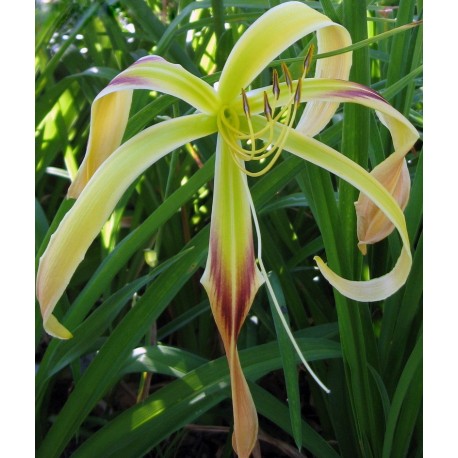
x: 229, y: 123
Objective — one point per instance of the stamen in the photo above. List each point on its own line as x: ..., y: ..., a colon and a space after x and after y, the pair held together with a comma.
x: 288, y: 79
x: 246, y: 107
x: 308, y: 59
x: 275, y: 84
x: 267, y: 108
x: 284, y: 121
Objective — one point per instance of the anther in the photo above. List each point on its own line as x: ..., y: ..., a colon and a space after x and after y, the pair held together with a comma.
x: 267, y: 107
x: 288, y: 78
x: 308, y: 59
x: 275, y: 84
x: 246, y: 107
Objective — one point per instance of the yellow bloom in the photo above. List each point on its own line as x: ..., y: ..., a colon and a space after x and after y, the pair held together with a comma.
x: 241, y: 118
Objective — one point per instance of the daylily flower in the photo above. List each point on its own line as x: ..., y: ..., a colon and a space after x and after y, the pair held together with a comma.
x: 244, y: 119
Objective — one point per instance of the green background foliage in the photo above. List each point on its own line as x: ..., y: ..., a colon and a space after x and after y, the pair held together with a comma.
x: 145, y: 374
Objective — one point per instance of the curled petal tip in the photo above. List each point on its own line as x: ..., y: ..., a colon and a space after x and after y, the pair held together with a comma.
x: 363, y: 248
x: 245, y: 417
x: 56, y: 329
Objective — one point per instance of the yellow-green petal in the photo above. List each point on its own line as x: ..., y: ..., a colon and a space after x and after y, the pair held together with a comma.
x: 109, y: 116
x: 274, y: 32
x: 336, y: 91
x: 231, y: 279
x: 379, y: 288
x: 404, y: 135
x: 392, y: 173
x: 110, y: 109
x: 80, y: 226
x: 154, y: 73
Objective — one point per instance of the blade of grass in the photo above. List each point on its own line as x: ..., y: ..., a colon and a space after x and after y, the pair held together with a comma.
x: 357, y: 339
x: 401, y: 319
x: 86, y: 333
x: 355, y: 46
x: 144, y: 426
x: 329, y: 10
x: 162, y: 359
x: 355, y: 133
x: 273, y: 256
x: 288, y: 357
x: 400, y: 59
x: 153, y: 27
x: 184, y: 319
x: 405, y: 406
x: 52, y: 64
x: 102, y: 372
x: 271, y: 408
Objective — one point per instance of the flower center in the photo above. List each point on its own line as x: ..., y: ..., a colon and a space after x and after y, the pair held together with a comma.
x: 249, y: 145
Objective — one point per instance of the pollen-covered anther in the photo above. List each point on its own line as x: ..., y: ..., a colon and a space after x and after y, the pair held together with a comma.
x: 308, y: 59
x: 246, y: 106
x: 275, y: 84
x: 288, y: 78
x: 242, y: 144
x: 267, y: 108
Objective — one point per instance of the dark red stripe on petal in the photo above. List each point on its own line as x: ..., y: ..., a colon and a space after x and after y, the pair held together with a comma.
x: 232, y: 292
x: 129, y: 80
x: 246, y: 291
x: 362, y: 92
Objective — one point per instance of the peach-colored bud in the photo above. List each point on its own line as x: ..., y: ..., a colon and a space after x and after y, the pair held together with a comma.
x: 372, y: 224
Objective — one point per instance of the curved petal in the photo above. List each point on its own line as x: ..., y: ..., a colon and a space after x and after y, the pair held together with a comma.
x: 338, y: 91
x: 156, y: 74
x: 317, y: 114
x: 109, y: 116
x: 288, y: 23
x: 231, y: 279
x: 83, y: 222
x: 379, y: 288
x: 404, y: 135
x: 373, y: 225
x: 110, y: 109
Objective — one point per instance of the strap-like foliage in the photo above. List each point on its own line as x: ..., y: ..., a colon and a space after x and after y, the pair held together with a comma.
x: 146, y: 359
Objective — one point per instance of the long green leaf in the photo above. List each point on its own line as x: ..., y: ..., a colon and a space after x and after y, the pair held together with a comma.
x: 102, y: 373
x: 288, y: 358
x: 405, y: 406
x: 85, y: 335
x: 142, y: 427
